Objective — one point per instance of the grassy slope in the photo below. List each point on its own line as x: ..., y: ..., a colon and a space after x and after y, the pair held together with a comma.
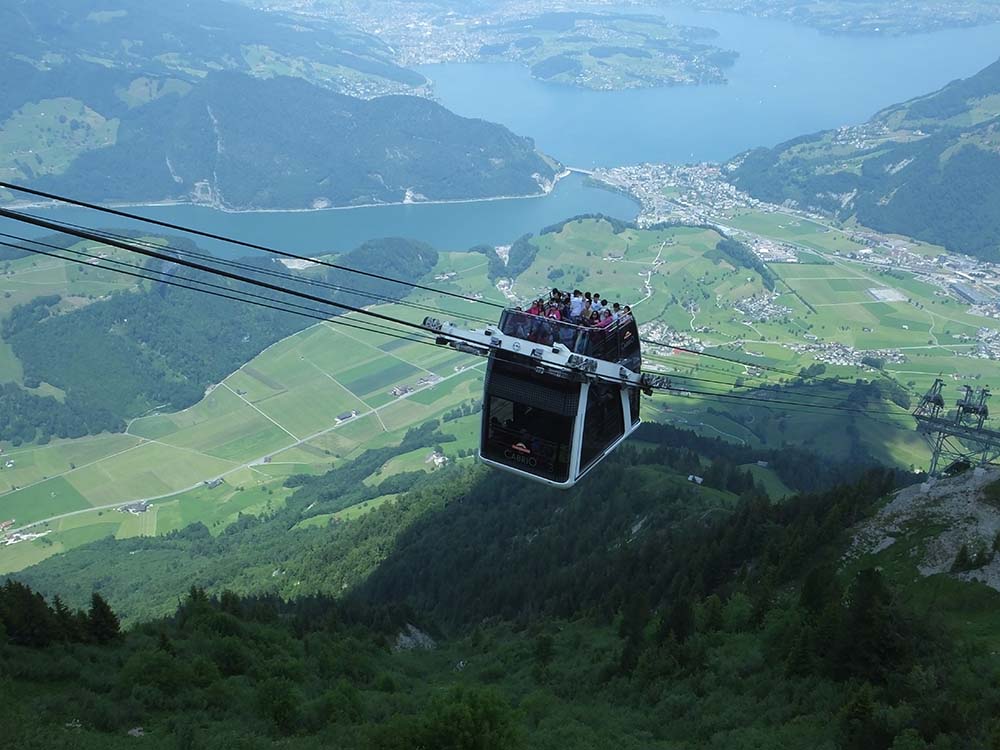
x: 298, y: 386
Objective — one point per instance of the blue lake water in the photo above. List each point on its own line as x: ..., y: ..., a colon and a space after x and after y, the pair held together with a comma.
x: 789, y: 80
x: 446, y: 226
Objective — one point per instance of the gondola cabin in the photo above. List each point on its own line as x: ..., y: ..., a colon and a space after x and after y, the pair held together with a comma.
x: 557, y: 397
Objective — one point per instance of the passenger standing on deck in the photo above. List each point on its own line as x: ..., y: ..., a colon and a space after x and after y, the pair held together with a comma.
x: 521, y: 323
x: 576, y: 307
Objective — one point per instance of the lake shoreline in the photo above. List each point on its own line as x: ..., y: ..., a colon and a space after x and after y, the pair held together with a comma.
x: 547, y: 190
x: 449, y: 226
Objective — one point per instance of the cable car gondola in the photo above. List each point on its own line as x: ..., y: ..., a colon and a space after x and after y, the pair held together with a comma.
x: 557, y: 397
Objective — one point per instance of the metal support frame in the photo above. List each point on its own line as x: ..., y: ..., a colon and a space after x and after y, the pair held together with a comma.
x: 555, y: 358
x: 960, y: 436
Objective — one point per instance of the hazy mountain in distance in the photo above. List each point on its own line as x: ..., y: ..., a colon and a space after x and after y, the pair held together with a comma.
x: 928, y: 168
x: 50, y: 45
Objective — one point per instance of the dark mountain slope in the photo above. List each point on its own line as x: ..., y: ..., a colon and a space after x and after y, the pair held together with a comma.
x: 243, y: 142
x: 622, y: 615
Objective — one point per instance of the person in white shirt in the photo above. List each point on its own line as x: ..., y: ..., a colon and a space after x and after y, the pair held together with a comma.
x: 576, y: 306
x: 597, y: 305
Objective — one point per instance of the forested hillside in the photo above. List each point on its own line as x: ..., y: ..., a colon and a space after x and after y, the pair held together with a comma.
x: 640, y: 611
x: 160, y: 346
x: 242, y: 142
x: 928, y: 168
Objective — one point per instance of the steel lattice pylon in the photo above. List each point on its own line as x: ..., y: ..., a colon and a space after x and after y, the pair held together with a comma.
x: 960, y: 436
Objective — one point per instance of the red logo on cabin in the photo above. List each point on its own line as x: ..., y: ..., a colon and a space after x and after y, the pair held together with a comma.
x: 521, y: 448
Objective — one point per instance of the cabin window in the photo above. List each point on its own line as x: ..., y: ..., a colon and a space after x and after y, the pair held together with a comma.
x: 528, y: 438
x: 633, y: 402
x: 604, y: 423
x: 528, y: 418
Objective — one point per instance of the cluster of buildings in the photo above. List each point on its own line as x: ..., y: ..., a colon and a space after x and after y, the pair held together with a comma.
x: 370, y: 87
x: 847, y: 356
x: 399, y: 391
x: 136, y: 508
x: 421, y: 34
x: 436, y: 459
x: 692, y: 194
x: 871, y: 134
x: 23, y: 536
x: 761, y: 308
x: 772, y: 251
x: 667, y: 338
x: 987, y: 344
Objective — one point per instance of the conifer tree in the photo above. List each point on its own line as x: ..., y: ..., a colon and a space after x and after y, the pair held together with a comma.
x: 66, y: 623
x: 102, y: 621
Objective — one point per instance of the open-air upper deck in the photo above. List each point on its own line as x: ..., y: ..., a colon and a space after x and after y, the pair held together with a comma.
x: 617, y: 343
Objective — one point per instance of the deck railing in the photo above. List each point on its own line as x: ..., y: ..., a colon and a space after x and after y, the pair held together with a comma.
x: 617, y: 342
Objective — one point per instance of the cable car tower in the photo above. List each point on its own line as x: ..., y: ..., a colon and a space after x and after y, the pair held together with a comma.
x: 961, y: 438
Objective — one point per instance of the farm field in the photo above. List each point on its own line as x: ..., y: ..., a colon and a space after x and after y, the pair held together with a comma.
x: 791, y: 228
x: 322, y: 396
x: 315, y: 398
x: 49, y: 134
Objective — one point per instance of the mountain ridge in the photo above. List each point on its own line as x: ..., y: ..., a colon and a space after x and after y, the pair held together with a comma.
x: 230, y: 141
x: 928, y: 168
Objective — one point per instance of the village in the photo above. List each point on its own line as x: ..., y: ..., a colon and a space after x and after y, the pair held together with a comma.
x: 699, y: 194
x: 761, y: 308
x: 692, y: 194
x: 847, y: 356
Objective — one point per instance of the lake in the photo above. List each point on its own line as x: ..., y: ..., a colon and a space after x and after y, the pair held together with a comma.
x: 446, y: 226
x: 789, y: 80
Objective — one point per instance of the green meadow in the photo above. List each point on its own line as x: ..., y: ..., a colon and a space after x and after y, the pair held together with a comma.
x: 327, y: 393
